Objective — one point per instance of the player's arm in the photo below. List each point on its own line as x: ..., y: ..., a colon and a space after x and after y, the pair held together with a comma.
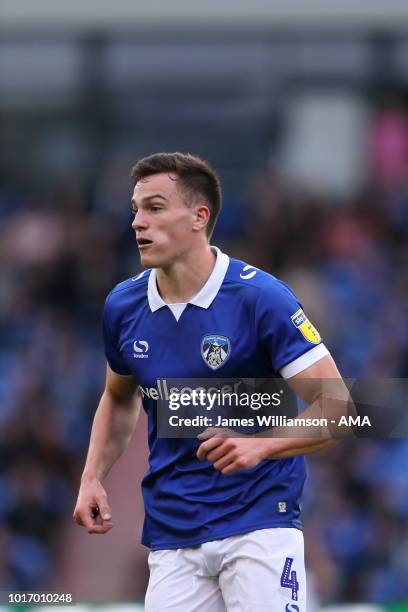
x: 328, y: 398
x: 230, y: 454
x: 114, y: 422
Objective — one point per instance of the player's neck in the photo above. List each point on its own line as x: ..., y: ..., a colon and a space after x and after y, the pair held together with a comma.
x: 181, y: 281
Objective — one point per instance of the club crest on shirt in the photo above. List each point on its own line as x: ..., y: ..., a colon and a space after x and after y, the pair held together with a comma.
x: 215, y: 350
x: 309, y: 332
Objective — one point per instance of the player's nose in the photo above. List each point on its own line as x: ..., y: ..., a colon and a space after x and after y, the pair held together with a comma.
x: 140, y: 221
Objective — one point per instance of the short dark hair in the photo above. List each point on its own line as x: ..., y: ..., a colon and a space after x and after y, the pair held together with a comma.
x: 197, y: 178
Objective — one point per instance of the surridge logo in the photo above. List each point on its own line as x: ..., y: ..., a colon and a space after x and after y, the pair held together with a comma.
x: 140, y: 349
x: 291, y: 608
x: 251, y: 271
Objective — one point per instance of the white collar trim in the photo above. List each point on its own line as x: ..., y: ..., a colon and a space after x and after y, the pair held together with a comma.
x: 207, y: 293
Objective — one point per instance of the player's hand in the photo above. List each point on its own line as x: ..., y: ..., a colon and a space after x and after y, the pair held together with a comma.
x: 229, y: 451
x: 92, y: 509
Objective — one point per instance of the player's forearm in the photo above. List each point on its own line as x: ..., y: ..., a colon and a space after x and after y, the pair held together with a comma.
x: 112, y: 430
x: 323, y: 414
x: 284, y: 448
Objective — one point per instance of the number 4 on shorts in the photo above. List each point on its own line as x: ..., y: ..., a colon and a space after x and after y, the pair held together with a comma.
x: 288, y: 578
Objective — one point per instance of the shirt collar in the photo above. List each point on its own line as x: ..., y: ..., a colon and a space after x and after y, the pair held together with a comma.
x: 207, y: 293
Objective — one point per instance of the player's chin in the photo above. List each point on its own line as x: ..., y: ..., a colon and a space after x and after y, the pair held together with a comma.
x: 149, y: 260
x: 153, y: 258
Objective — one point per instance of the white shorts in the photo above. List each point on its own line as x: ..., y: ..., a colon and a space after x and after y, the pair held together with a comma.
x: 259, y: 571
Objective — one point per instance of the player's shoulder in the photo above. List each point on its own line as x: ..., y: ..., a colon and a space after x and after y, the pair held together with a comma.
x: 258, y: 282
x: 131, y: 288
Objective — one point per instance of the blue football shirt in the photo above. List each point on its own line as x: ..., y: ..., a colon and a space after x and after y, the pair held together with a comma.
x: 188, y: 502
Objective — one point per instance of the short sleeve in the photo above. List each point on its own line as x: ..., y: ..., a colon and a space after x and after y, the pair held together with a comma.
x: 285, y: 331
x: 112, y: 352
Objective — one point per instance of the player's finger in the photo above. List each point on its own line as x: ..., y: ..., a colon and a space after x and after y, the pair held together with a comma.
x: 231, y: 468
x: 104, y: 510
x: 84, y: 519
x: 78, y: 518
x: 207, y: 433
x: 83, y: 515
x: 211, y: 432
x: 224, y: 462
x: 216, y: 454
x: 100, y: 528
x: 205, y: 447
x: 94, y: 523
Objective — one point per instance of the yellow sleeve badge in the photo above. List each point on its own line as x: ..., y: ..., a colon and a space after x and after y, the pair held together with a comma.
x: 309, y: 332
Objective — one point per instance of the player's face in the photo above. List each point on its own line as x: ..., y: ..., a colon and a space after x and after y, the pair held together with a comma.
x: 163, y: 223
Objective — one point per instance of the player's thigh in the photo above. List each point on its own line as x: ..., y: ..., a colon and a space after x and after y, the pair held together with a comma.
x: 264, y: 570
x: 177, y: 583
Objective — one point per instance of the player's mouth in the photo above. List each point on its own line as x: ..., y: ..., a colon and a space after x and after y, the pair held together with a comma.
x: 143, y: 243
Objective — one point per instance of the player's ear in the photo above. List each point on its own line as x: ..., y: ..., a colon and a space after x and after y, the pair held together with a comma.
x: 201, y: 216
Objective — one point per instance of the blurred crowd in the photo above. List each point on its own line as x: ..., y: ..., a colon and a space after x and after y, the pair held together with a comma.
x: 64, y: 245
